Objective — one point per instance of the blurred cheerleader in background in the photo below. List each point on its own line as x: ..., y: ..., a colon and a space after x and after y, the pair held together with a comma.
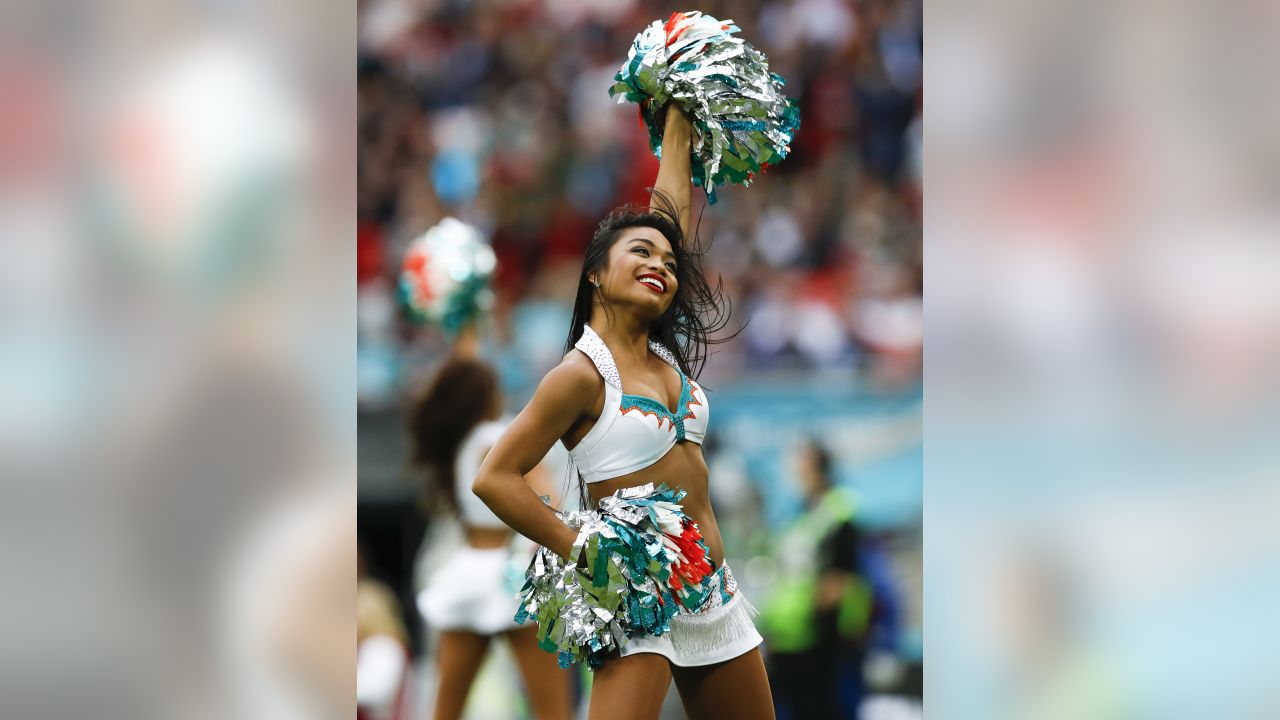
x: 468, y: 599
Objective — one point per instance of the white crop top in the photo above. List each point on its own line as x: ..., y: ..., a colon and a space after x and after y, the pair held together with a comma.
x: 635, y: 431
x: 477, y: 443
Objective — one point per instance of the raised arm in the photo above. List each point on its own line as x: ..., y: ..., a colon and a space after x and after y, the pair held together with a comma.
x: 564, y: 395
x: 675, y: 176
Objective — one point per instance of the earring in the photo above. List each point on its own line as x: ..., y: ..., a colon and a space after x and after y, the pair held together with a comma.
x: 595, y: 283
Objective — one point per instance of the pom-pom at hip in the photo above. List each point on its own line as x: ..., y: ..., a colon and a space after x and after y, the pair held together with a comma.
x: 643, y: 562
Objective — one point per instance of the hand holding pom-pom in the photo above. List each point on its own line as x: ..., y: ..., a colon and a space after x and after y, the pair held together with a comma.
x: 637, y: 561
x: 742, y: 121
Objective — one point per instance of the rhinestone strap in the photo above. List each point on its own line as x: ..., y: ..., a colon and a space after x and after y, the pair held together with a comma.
x: 661, y: 351
x: 591, y: 344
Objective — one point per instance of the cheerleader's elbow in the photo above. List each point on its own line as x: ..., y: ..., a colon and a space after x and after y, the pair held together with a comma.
x: 484, y: 487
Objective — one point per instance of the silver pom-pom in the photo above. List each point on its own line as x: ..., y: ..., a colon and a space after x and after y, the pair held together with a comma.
x: 743, y: 122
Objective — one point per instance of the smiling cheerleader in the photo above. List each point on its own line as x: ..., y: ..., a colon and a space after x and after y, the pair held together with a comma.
x: 635, y: 584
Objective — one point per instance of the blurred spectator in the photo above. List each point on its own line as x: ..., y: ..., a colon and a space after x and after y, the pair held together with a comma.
x: 382, y: 651
x: 815, y: 617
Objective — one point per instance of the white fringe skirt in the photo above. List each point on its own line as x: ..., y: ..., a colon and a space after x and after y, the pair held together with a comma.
x: 720, y: 631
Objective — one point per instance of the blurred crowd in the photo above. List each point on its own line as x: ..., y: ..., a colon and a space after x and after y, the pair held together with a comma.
x: 497, y: 112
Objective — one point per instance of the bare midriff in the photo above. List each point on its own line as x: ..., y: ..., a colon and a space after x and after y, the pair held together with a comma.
x: 487, y: 538
x: 682, y: 467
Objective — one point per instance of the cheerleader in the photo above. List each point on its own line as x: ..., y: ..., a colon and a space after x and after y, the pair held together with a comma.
x: 468, y: 599
x: 626, y: 405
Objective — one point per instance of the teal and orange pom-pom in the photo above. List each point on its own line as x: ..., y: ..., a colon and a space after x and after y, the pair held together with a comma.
x: 445, y: 275
x: 644, y: 561
x: 743, y: 122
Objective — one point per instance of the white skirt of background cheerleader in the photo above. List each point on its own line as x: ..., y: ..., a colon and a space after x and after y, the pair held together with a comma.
x: 472, y: 591
x: 721, y: 631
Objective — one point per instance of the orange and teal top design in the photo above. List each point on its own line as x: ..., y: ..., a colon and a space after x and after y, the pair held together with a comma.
x: 635, y: 431
x: 652, y: 408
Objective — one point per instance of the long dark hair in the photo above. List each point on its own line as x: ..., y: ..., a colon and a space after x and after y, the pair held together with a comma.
x: 697, y: 311
x: 461, y: 395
